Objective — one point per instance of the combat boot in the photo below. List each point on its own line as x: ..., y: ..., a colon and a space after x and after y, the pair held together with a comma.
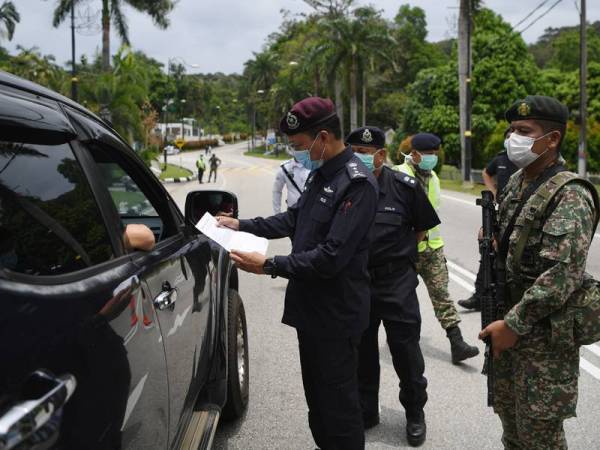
x: 473, y: 302
x: 459, y: 348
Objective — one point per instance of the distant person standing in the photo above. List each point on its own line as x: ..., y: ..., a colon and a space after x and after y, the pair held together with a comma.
x: 292, y: 175
x: 495, y: 177
x: 201, y: 166
x: 214, y: 164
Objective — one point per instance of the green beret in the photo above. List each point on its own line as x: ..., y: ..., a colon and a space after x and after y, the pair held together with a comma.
x: 538, y: 107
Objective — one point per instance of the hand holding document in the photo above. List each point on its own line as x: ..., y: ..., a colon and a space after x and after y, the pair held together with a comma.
x: 230, y: 239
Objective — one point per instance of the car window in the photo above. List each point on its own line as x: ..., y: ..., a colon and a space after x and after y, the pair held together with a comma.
x: 50, y: 223
x: 130, y: 200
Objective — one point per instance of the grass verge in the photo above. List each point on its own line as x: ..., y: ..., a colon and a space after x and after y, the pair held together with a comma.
x: 457, y: 186
x: 174, y: 171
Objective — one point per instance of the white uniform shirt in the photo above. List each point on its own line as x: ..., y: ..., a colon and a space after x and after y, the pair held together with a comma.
x: 298, y: 173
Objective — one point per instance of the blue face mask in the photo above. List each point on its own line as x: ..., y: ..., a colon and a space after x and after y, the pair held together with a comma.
x: 428, y: 162
x: 303, y: 157
x: 366, y: 159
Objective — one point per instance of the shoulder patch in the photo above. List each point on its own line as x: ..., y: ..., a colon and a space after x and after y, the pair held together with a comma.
x: 406, y: 179
x: 355, y: 171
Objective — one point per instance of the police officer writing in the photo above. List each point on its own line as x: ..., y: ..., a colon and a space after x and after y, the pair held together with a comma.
x: 431, y: 263
x: 403, y: 215
x: 545, y: 247
x: 327, y: 298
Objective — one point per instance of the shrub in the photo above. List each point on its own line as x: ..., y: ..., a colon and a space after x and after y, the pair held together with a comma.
x: 200, y: 144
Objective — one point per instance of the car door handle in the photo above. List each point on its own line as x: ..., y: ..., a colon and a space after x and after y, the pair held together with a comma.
x: 167, y: 298
x: 44, y: 394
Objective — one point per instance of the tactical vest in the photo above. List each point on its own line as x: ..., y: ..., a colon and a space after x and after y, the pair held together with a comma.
x: 434, y: 237
x: 579, y: 320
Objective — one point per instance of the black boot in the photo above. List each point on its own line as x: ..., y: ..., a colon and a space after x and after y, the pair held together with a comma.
x: 416, y: 430
x: 459, y: 348
x: 473, y: 302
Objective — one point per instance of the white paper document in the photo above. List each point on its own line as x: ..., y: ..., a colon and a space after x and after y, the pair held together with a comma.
x: 230, y: 239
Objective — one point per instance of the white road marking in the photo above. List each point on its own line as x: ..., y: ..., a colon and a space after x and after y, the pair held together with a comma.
x: 460, y: 200
x: 589, y: 368
x: 133, y: 399
x: 179, y: 318
x: 462, y: 271
x: 594, y: 348
x: 467, y: 286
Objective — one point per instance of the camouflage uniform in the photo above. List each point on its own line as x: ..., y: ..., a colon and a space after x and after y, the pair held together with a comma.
x: 536, y: 381
x: 431, y: 265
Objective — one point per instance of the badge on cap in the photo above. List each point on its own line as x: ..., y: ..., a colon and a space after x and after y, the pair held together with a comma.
x: 367, y: 136
x: 524, y: 109
x: 292, y: 121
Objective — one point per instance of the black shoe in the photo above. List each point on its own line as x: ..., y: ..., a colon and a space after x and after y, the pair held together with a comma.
x: 473, y: 302
x: 416, y: 432
x: 370, y: 421
x: 459, y: 348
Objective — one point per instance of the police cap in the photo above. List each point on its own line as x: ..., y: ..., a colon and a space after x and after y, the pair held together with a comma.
x: 425, y: 141
x: 307, y: 114
x: 538, y: 107
x: 367, y: 137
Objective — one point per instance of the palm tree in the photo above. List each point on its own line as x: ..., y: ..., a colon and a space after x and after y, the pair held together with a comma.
x: 9, y: 17
x: 112, y: 12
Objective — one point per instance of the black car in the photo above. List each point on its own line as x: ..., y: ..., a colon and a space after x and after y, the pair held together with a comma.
x: 102, y: 347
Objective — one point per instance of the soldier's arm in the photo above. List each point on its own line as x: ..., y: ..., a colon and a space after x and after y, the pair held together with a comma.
x: 566, y: 239
x: 350, y: 226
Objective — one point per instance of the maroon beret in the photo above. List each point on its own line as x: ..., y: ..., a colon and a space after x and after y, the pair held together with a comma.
x: 307, y: 114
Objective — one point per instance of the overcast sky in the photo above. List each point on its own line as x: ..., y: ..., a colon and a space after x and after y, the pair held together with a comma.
x: 220, y: 35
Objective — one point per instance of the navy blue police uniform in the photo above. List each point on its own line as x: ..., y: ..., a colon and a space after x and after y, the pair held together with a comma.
x: 327, y: 297
x: 402, y: 210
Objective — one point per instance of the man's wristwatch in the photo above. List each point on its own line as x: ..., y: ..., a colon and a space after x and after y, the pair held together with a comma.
x: 270, y: 268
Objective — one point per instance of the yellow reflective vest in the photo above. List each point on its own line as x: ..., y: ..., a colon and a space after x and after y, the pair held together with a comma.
x: 433, y: 237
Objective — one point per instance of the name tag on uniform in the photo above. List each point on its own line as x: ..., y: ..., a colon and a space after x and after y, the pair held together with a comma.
x: 389, y: 208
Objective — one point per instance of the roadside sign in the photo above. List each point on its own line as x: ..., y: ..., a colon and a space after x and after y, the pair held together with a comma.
x: 179, y: 143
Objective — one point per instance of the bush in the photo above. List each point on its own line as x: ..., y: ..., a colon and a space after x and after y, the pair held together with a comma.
x: 200, y: 144
x: 149, y: 154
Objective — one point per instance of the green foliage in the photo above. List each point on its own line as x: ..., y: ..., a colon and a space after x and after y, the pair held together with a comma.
x: 9, y: 17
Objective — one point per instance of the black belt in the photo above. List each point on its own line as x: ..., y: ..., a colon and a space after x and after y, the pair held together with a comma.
x: 392, y: 267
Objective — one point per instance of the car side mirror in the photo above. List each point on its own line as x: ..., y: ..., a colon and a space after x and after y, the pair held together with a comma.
x: 214, y: 202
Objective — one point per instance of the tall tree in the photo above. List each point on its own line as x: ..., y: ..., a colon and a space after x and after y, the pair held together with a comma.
x: 9, y: 17
x: 112, y: 11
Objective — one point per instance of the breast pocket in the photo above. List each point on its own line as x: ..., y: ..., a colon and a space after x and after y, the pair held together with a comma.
x: 388, y: 226
x: 323, y: 210
x: 556, y: 243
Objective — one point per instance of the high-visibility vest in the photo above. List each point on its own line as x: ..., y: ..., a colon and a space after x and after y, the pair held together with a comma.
x: 434, y: 237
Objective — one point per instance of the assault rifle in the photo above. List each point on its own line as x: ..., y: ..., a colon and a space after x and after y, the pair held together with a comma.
x: 492, y: 298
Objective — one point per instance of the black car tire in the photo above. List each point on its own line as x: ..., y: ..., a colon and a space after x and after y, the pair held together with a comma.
x: 238, y: 381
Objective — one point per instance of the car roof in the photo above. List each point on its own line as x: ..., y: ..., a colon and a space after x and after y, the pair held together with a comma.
x: 21, y: 84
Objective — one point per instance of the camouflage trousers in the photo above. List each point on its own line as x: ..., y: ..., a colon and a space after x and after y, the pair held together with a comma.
x: 431, y: 265
x: 535, y: 391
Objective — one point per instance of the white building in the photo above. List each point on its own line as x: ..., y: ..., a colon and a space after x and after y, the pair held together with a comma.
x: 191, y: 130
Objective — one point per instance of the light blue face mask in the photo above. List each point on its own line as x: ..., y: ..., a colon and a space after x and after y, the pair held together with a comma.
x: 428, y: 162
x: 303, y: 157
x: 368, y: 160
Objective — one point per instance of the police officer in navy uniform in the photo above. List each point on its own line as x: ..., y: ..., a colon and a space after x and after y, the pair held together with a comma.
x: 328, y: 297
x: 403, y: 215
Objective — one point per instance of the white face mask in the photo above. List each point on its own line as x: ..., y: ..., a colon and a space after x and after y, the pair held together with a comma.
x: 519, y: 149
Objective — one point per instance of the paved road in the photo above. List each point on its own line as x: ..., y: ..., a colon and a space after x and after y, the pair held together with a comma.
x: 457, y: 417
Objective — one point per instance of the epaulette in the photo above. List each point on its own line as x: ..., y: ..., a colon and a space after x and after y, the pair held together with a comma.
x: 355, y: 172
x: 406, y: 179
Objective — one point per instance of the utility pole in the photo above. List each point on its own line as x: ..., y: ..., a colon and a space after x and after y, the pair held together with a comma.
x: 74, y: 79
x: 582, y: 151
x: 464, y: 87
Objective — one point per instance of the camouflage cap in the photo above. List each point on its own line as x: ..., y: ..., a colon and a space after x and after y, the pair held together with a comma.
x: 538, y: 107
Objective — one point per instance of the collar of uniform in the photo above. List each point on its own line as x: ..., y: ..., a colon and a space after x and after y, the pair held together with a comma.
x: 382, y: 179
x: 331, y: 167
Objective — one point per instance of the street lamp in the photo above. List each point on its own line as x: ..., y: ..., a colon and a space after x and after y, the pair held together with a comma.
x: 259, y: 92
x: 182, y: 102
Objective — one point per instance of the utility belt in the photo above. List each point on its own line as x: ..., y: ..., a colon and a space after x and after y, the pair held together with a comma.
x: 392, y: 267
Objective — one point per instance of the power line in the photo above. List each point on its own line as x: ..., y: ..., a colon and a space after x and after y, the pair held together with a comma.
x: 539, y: 17
x: 531, y: 13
